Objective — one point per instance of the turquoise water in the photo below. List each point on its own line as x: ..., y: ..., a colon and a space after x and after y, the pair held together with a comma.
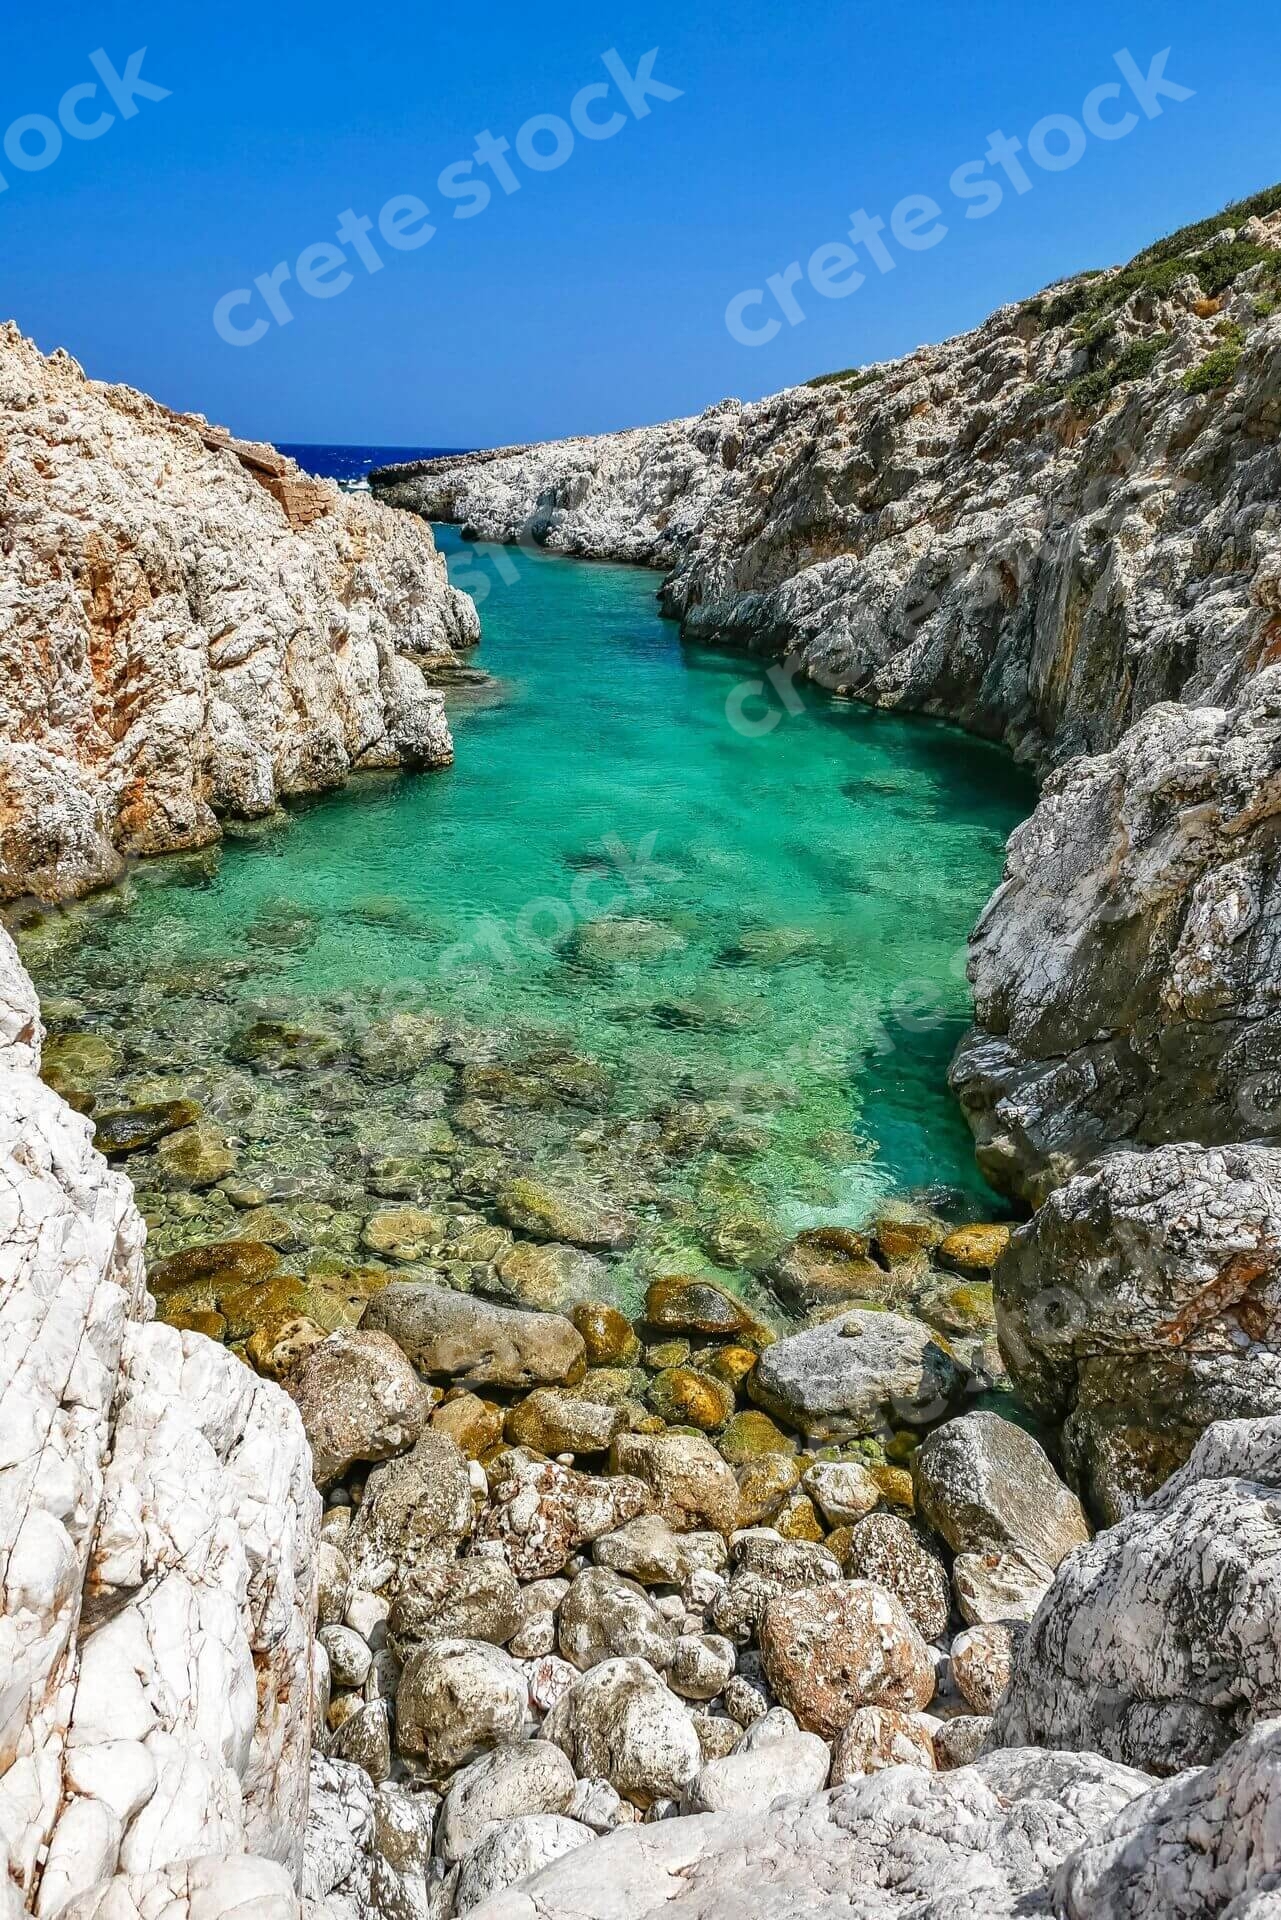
x: 764, y: 926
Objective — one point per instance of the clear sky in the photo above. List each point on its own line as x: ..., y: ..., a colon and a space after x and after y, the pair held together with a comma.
x: 594, y: 294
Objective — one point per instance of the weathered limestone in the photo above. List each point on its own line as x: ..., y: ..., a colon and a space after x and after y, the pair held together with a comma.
x: 192, y: 629
x: 1159, y: 1642
x: 159, y: 1530
x: 1141, y: 1303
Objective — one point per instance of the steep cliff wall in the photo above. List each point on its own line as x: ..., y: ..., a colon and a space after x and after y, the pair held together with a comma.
x: 189, y: 627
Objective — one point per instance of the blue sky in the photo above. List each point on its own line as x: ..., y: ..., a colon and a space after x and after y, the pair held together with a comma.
x: 594, y: 296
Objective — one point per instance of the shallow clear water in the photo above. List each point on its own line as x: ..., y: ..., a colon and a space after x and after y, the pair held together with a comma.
x: 771, y: 919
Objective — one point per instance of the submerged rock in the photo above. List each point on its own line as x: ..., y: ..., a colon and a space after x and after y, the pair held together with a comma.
x: 474, y: 1342
x: 857, y: 1374
x: 572, y: 1214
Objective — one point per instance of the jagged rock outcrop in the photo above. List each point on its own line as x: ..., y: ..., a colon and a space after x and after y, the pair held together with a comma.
x: 157, y: 1534
x: 1049, y: 530
x: 189, y: 627
x: 1159, y: 1643
x: 1127, y: 973
x: 1141, y: 1303
x: 638, y: 495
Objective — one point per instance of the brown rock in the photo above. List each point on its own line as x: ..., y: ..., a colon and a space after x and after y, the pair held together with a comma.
x: 474, y: 1424
x: 828, y: 1650
x: 558, y: 1420
x: 982, y: 1657
x: 692, y: 1304
x: 880, y: 1737
x: 763, y: 1485
x: 691, y: 1484
x: 974, y: 1249
x: 685, y: 1397
x: 608, y: 1335
x: 752, y: 1433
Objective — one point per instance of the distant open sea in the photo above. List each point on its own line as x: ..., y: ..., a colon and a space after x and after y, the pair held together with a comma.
x: 349, y: 464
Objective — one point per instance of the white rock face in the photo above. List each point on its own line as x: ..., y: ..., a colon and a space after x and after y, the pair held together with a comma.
x: 190, y: 627
x: 158, y: 1527
x: 1159, y: 1642
x: 899, y: 1845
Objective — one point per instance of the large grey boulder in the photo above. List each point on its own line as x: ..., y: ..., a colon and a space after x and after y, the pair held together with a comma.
x: 985, y: 1485
x: 473, y: 1342
x: 1159, y: 1643
x: 1141, y: 1303
x: 1125, y: 974
x: 903, y: 1844
x: 861, y: 1373
x: 1206, y: 1843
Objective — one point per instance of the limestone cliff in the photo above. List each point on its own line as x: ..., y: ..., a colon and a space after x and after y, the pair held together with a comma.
x: 158, y: 1544
x: 1060, y: 530
x: 189, y: 628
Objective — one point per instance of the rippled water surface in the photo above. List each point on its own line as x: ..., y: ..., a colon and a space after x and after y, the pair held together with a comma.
x: 757, y: 933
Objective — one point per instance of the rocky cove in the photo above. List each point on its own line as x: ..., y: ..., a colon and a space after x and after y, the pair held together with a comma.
x: 596, y: 1505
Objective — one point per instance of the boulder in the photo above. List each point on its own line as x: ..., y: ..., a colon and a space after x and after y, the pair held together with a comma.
x: 879, y: 1737
x: 861, y: 1373
x: 1141, y: 1303
x: 697, y: 1305
x: 886, y: 1549
x: 768, y: 1565
x: 831, y: 1649
x: 1159, y: 1642
x: 690, y: 1483
x: 701, y: 1665
x: 999, y: 1586
x: 540, y: 1513
x: 607, y: 1617
x: 844, y: 1490
x: 528, y: 1776
x: 562, y: 1420
x: 477, y: 1598
x: 514, y: 1852
x: 649, y: 1550
x: 567, y: 1212
x: 985, y: 1485
x: 982, y: 1658
x: 359, y: 1399
x: 474, y: 1342
x: 620, y: 1722
x: 609, y: 1336
x: 413, y: 1508
x: 549, y: 1278
x: 457, y: 1699
x: 754, y: 1776
x: 825, y: 1267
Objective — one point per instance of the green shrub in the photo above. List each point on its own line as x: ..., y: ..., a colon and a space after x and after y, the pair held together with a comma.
x: 1218, y: 369
x: 1133, y: 363
x: 1236, y: 215
x: 852, y: 378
